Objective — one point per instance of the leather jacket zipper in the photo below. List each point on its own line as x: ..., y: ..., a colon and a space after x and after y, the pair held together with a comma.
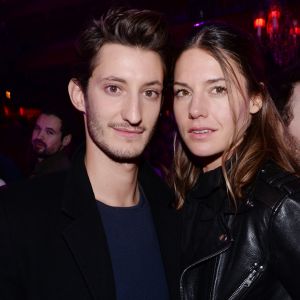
x: 198, y: 262
x: 254, y: 274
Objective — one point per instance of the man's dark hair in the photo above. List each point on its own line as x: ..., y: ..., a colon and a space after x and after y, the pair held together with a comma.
x: 61, y: 113
x: 129, y: 27
x: 283, y: 89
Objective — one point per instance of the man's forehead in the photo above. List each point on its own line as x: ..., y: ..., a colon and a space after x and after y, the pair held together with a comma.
x: 50, y: 121
x: 114, y: 59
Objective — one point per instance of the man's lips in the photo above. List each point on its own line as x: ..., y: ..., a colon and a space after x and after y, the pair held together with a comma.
x: 129, y: 131
x: 39, y: 144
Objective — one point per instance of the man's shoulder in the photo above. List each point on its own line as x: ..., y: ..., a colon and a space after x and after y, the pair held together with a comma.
x: 31, y: 192
x: 55, y: 163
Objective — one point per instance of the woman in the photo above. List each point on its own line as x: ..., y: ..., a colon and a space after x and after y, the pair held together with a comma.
x: 234, y: 176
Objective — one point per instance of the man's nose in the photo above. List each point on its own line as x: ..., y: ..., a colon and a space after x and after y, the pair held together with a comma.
x: 40, y: 135
x: 131, y: 111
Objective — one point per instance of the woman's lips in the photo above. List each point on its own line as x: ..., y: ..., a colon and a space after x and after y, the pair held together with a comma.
x: 201, y: 133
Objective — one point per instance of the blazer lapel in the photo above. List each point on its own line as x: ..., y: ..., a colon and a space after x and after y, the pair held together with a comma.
x: 84, y: 234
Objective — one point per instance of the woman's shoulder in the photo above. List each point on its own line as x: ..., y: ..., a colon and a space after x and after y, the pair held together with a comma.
x: 275, y: 186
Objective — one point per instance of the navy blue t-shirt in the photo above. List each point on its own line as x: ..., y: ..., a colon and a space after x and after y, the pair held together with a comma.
x: 133, y: 245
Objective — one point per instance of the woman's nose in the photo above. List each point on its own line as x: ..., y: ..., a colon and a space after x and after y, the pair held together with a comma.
x: 198, y: 108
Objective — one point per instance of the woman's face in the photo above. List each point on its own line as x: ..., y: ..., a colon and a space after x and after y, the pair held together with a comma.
x: 206, y: 119
x: 294, y: 126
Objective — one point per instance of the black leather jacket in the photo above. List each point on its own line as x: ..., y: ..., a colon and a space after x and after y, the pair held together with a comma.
x: 252, y: 253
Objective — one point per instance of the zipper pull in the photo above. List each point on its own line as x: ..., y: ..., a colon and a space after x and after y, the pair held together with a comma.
x: 252, y: 276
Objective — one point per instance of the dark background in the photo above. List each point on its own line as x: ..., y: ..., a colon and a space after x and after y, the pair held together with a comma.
x: 37, y: 36
x: 37, y: 51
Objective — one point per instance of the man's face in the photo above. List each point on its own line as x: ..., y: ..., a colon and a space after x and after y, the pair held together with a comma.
x: 123, y: 100
x: 295, y: 106
x: 46, y: 136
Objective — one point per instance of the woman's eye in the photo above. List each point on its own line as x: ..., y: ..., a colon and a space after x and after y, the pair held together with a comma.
x: 152, y: 94
x: 112, y: 89
x: 219, y: 90
x: 181, y: 93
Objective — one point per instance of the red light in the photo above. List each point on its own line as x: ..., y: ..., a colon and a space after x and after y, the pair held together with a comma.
x: 274, y: 13
x: 7, y: 111
x: 21, y: 111
x: 259, y: 22
x: 295, y: 30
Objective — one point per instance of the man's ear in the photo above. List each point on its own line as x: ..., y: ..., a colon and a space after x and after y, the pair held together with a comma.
x: 255, y: 104
x: 76, y: 95
x: 66, y: 140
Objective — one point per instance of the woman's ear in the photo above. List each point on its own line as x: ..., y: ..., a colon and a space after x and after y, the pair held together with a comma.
x: 255, y: 104
x: 76, y: 95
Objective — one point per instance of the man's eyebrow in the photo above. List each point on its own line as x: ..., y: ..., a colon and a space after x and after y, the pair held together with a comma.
x: 154, y: 82
x: 114, y: 78
x: 121, y: 80
x: 50, y: 128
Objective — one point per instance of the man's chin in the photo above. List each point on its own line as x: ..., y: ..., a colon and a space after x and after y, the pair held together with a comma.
x: 130, y: 158
x: 38, y: 150
x: 123, y: 156
x: 41, y: 154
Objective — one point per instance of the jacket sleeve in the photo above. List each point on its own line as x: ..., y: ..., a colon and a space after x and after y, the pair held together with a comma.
x: 285, y: 244
x: 9, y: 287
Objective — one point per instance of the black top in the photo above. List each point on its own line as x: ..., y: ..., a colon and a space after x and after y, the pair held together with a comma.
x: 134, y: 251
x: 208, y: 199
x: 209, y: 192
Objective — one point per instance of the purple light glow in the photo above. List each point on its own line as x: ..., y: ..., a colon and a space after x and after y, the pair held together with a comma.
x: 198, y: 24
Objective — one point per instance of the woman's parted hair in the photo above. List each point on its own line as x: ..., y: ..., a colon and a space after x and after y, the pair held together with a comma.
x: 265, y: 138
x: 129, y: 27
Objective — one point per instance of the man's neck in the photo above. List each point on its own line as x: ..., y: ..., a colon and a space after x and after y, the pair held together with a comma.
x: 113, y: 183
x: 40, y: 159
x: 45, y: 157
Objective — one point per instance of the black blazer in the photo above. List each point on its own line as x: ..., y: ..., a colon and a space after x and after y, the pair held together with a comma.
x: 52, y: 242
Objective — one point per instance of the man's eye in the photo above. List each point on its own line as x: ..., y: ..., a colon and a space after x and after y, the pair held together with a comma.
x: 181, y: 93
x: 112, y: 89
x: 50, y: 132
x: 152, y: 94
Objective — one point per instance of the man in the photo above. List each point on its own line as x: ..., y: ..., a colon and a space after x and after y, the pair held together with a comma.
x: 50, y: 137
x: 104, y: 230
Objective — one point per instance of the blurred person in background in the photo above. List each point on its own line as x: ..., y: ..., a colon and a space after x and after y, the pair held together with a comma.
x: 50, y: 137
x: 286, y: 89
